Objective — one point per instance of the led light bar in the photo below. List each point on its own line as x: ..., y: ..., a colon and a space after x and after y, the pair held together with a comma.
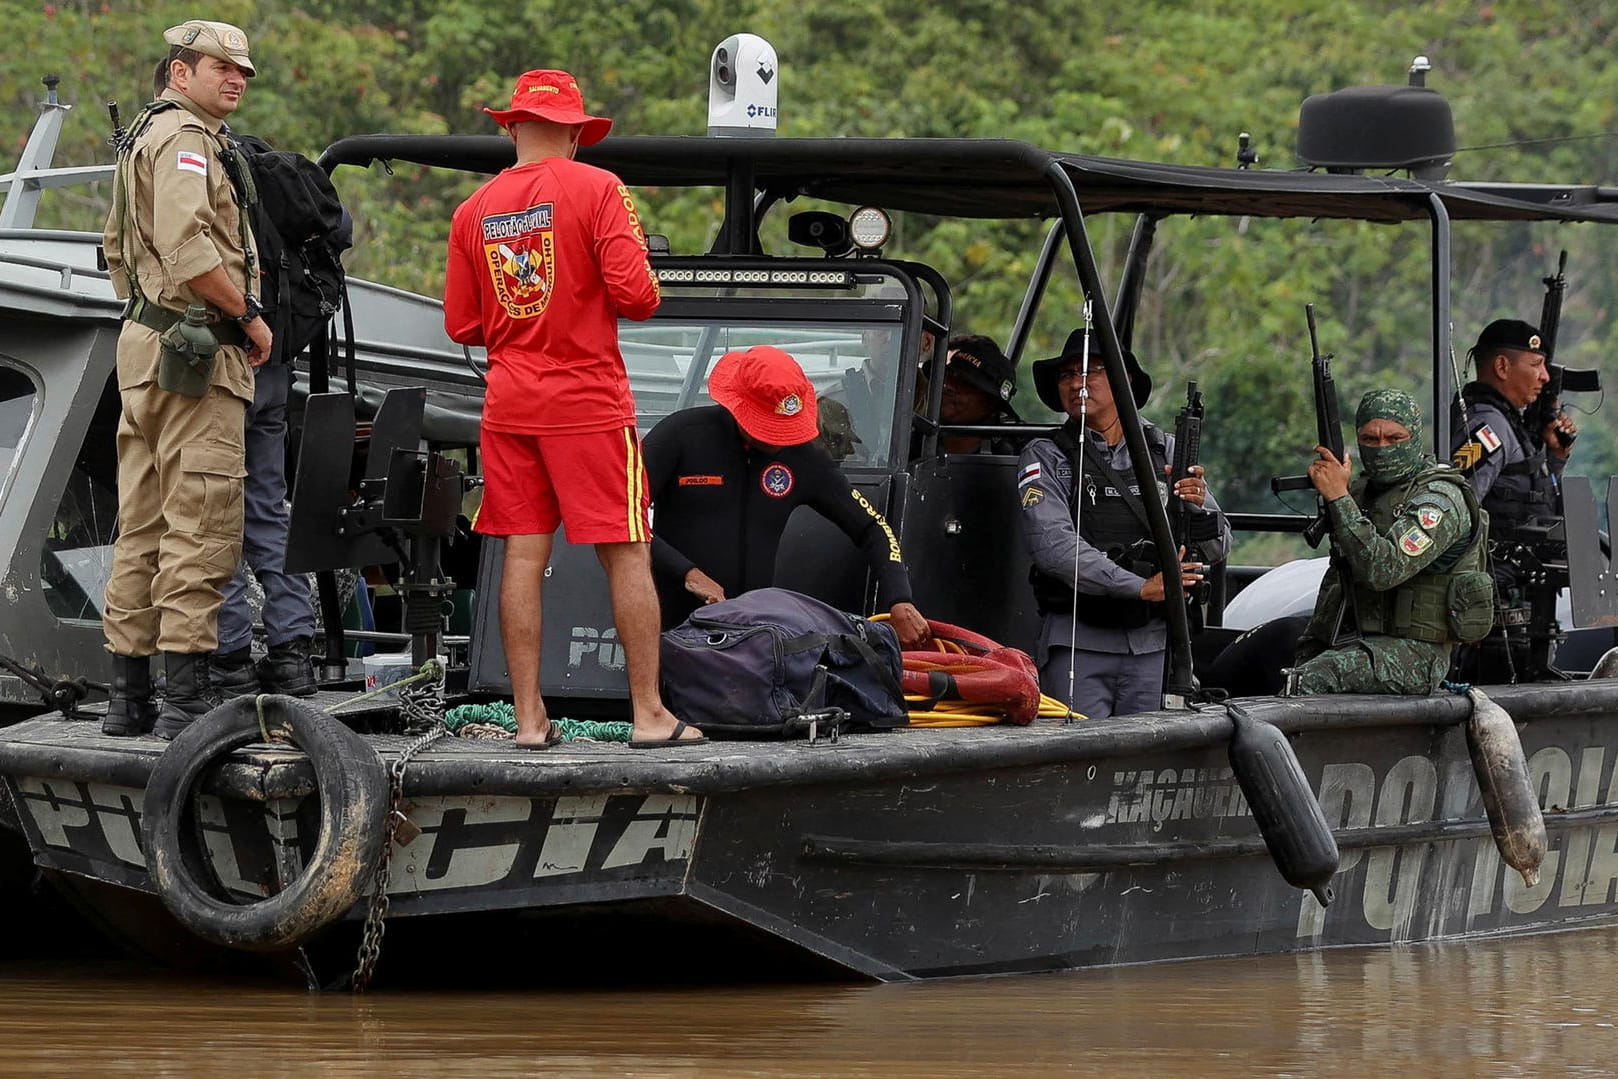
x: 755, y: 278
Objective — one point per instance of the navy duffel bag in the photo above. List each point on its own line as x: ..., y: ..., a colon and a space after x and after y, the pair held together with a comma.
x: 757, y: 665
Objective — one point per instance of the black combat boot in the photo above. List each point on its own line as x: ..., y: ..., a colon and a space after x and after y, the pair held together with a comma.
x: 190, y: 692
x: 130, y: 708
x: 233, y: 673
x: 287, y: 669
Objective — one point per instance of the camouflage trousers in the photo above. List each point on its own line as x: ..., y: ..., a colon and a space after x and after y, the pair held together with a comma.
x: 1376, y: 665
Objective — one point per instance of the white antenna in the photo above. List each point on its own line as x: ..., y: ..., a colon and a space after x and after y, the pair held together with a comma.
x: 1078, y: 478
x: 743, y: 80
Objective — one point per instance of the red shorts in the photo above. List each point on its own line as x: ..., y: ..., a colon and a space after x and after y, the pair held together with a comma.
x: 593, y: 484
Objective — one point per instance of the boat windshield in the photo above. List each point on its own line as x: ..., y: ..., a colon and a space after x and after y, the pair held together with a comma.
x: 77, y: 556
x: 853, y: 366
x: 16, y: 409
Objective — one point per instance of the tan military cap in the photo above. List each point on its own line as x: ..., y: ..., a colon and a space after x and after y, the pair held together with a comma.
x: 212, y: 39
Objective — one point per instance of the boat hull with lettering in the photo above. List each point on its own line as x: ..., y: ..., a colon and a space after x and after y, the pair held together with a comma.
x: 909, y: 854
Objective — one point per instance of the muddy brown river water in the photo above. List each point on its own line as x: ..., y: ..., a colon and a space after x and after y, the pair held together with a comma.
x: 1543, y: 1005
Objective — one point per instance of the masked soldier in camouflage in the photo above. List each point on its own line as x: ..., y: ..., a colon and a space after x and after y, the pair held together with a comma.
x: 1411, y: 538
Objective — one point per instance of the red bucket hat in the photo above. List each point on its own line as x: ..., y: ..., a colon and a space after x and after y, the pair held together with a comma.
x: 768, y: 393
x: 552, y: 96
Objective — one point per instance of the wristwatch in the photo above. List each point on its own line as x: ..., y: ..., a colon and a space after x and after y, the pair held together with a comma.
x: 254, y: 310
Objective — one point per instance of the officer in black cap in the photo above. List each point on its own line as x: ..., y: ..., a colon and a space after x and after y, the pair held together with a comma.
x: 1095, y: 573
x: 1516, y: 474
x: 979, y: 382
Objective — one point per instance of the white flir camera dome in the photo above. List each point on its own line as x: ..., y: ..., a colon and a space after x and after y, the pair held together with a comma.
x: 742, y: 85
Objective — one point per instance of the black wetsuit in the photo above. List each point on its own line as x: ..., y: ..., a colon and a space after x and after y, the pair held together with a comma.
x: 721, y: 509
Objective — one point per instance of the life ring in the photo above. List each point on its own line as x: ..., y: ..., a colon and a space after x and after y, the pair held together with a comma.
x: 352, y: 784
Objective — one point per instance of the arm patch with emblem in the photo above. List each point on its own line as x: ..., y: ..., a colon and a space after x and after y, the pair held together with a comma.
x: 1470, y: 453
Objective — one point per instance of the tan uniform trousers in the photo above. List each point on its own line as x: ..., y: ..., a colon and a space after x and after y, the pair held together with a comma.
x: 180, y: 470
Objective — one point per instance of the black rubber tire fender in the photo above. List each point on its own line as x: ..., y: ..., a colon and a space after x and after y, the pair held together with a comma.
x: 352, y: 784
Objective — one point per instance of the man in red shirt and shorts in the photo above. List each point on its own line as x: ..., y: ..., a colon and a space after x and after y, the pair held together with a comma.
x: 543, y: 260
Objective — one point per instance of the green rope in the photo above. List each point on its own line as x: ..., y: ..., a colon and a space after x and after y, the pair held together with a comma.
x: 503, y: 714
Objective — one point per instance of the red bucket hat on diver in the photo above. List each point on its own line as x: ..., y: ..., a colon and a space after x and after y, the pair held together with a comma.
x: 768, y: 393
x: 552, y: 96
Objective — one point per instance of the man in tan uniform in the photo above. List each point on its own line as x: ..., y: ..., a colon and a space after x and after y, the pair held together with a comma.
x: 177, y: 236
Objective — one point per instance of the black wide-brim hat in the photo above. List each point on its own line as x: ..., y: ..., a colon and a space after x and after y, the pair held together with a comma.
x: 1140, y: 383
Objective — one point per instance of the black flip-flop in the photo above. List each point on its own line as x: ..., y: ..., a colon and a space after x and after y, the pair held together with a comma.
x: 555, y: 738
x: 672, y: 740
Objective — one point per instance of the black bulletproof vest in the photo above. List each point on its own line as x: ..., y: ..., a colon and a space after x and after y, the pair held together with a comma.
x: 1109, y: 524
x: 1523, y: 489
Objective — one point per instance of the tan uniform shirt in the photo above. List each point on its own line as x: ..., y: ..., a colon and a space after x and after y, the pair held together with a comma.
x: 186, y: 221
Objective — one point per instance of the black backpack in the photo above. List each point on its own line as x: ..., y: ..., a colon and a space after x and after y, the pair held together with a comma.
x: 302, y: 231
x: 759, y: 665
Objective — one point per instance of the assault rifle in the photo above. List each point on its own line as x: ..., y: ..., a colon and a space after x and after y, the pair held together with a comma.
x: 1187, y: 454
x: 117, y: 125
x: 1328, y: 429
x: 1548, y: 405
x: 1329, y: 432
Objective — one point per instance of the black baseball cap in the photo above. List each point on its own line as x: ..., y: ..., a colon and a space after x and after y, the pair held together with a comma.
x: 979, y: 361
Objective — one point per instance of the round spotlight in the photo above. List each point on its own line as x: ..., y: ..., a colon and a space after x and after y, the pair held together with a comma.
x: 869, y: 228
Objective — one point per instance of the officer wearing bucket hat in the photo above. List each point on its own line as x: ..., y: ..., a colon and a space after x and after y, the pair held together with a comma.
x: 543, y: 261
x: 1083, y: 524
x: 178, y: 243
x: 725, y: 478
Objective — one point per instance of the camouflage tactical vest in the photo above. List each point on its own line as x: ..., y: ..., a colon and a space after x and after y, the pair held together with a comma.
x: 1453, y: 598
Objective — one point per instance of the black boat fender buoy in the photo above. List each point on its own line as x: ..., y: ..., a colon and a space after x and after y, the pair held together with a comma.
x: 351, y: 783
x: 1284, y: 807
x: 1508, y: 794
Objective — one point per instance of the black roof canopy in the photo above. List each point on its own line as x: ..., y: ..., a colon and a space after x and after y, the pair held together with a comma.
x: 1003, y: 178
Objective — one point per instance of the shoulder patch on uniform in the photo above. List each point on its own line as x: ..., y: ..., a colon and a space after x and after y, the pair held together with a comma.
x: 1428, y: 516
x: 1032, y: 497
x: 191, y: 161
x: 1029, y: 474
x: 1487, y: 438
x: 1414, y: 542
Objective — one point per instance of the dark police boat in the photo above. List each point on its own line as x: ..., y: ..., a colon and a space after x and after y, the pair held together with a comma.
x: 909, y: 854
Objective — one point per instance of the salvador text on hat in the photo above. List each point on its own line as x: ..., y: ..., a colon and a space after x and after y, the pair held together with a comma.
x: 553, y: 97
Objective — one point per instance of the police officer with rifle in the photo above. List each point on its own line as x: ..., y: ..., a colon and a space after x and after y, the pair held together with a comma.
x: 1512, y: 440
x: 1095, y: 574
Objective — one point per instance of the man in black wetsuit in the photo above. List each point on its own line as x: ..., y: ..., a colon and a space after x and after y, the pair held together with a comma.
x: 725, y: 478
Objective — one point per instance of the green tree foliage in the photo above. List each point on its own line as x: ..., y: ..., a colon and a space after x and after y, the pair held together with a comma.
x: 1531, y: 84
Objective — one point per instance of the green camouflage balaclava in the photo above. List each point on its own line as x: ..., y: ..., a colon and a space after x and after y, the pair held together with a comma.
x: 1385, y: 465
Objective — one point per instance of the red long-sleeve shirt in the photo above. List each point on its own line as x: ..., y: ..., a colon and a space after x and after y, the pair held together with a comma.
x: 543, y: 260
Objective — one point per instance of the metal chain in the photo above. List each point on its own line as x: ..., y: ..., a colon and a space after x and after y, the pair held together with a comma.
x: 377, y: 912
x: 421, y: 706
